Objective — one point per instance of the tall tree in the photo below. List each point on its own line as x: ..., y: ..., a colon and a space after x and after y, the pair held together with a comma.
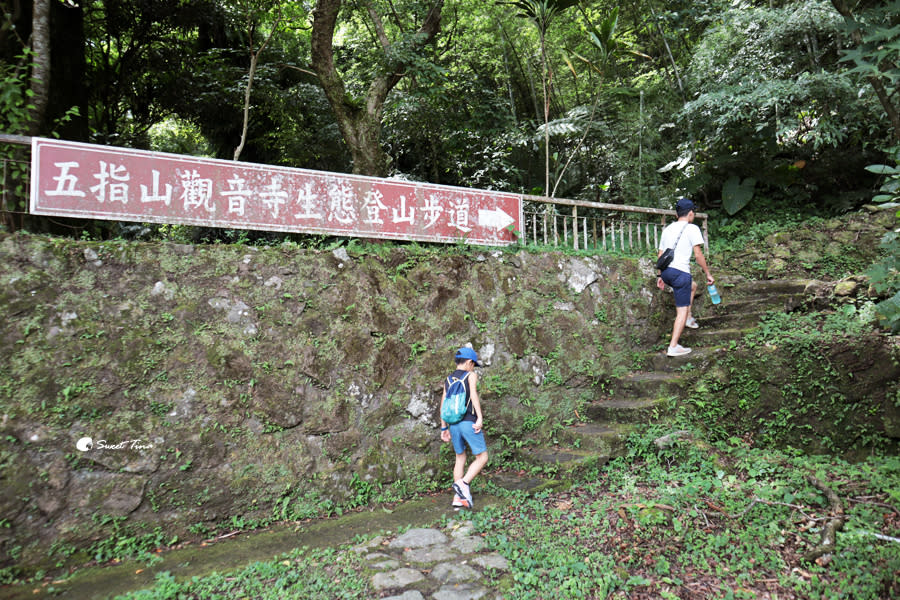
x: 771, y: 116
x: 542, y: 13
x: 138, y: 55
x: 876, y: 39
x: 360, y: 119
x: 40, y: 74
x: 254, y: 15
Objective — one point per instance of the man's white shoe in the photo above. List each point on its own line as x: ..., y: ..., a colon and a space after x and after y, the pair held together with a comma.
x: 678, y: 350
x: 692, y: 323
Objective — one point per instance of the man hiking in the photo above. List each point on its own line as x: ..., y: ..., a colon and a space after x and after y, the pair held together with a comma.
x: 685, y: 239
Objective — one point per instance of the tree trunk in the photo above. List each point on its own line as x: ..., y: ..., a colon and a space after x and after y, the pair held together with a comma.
x: 359, y: 122
x: 545, y: 76
x: 254, y: 59
x: 40, y: 74
x: 877, y: 84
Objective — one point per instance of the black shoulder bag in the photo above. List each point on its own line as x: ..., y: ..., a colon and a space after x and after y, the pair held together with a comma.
x: 669, y: 253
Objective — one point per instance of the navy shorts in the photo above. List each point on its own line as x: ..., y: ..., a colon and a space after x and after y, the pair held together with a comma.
x: 462, y: 433
x: 680, y: 282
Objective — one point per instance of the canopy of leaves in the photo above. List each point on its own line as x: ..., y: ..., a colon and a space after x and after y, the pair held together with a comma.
x: 774, y: 103
x: 647, y: 101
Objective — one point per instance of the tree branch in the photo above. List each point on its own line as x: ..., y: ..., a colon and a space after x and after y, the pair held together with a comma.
x: 379, y: 27
x: 324, y: 20
x: 254, y: 62
x: 835, y: 524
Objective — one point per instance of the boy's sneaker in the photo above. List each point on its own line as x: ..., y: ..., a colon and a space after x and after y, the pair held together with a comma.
x: 678, y: 350
x: 692, y: 323
x: 463, y: 491
x: 459, y: 503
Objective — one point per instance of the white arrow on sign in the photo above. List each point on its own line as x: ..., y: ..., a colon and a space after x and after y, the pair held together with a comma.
x: 494, y: 218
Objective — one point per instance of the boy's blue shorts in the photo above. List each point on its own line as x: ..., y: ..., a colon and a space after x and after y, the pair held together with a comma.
x: 462, y: 432
x: 680, y: 282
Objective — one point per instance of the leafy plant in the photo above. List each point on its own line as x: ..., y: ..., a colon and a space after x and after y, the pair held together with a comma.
x: 757, y: 96
x: 885, y: 278
x: 890, y: 189
x: 15, y: 118
x: 874, y: 34
x: 532, y: 422
x: 885, y: 274
x: 736, y: 193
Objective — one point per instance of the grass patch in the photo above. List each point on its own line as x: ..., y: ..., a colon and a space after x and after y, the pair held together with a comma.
x: 693, y: 521
x: 303, y: 573
x: 687, y: 521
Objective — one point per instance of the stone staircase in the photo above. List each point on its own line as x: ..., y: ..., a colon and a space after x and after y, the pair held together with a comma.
x: 642, y: 396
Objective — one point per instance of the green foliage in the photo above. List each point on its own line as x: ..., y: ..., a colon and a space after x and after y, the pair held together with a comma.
x: 876, y: 55
x: 302, y: 573
x: 890, y: 188
x: 885, y: 277
x: 780, y: 379
x: 127, y: 541
x: 603, y: 38
x: 767, y: 97
x: 139, y: 64
x: 764, y: 102
x: 725, y: 516
x: 730, y: 517
x: 532, y: 422
x: 885, y: 274
x: 177, y: 136
x: 15, y: 96
x: 751, y: 228
x: 15, y: 118
x: 736, y: 193
x: 541, y: 12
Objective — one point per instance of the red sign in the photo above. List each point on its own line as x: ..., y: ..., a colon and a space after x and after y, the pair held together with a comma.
x: 72, y: 179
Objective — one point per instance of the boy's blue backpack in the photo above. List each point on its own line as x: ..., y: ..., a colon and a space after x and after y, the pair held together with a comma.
x: 455, y: 405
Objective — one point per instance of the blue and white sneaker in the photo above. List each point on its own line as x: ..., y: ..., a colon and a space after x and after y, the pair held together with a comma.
x: 464, y: 492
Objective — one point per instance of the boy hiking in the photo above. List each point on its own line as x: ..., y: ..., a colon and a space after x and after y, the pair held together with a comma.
x: 461, y: 424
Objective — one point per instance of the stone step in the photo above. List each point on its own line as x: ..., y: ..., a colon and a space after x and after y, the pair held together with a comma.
x: 785, y: 294
x: 778, y: 286
x: 623, y: 410
x: 581, y: 446
x: 730, y: 319
x: 750, y: 304
x: 565, y: 459
x: 646, y: 384
x: 699, y: 357
x: 713, y: 336
x: 608, y: 439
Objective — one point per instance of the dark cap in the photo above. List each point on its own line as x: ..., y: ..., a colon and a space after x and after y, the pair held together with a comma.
x: 684, y: 206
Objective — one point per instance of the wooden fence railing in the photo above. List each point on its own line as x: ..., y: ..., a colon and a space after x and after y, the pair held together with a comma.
x: 609, y: 227
x: 15, y: 169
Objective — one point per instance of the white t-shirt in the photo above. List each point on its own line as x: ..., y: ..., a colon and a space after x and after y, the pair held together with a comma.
x: 691, y: 237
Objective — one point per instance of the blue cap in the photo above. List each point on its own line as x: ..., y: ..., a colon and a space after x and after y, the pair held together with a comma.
x: 468, y: 353
x: 684, y: 206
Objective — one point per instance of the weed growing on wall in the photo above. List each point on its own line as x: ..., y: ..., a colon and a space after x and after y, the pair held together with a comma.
x: 788, y: 376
